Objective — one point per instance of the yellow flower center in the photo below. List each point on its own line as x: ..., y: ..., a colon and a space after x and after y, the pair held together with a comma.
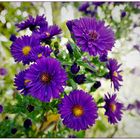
x: 113, y: 107
x: 47, y: 34
x: 45, y: 78
x: 115, y: 74
x: 26, y: 50
x: 26, y: 81
x: 77, y: 110
x: 39, y: 55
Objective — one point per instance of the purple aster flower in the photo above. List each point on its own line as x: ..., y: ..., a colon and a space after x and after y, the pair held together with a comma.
x: 22, y: 48
x: 103, y: 58
x: 13, y: 37
x: 69, y: 24
x: 47, y: 32
x: 123, y: 14
x: 75, y: 68
x: 27, y: 123
x: 3, y: 71
x: 1, y: 108
x: 83, y: 7
x: 130, y: 107
x: 69, y: 48
x: 113, y: 108
x: 96, y: 85
x: 78, y: 110
x: 80, y: 79
x: 21, y: 82
x: 13, y: 130
x: 137, y: 105
x: 98, y: 3
x: 136, y: 4
x: 137, y: 47
x: 114, y: 73
x: 92, y: 36
x: 40, y: 51
x: 32, y: 23
x: 47, y: 79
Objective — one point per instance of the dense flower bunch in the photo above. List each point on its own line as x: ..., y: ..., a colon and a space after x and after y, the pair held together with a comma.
x: 47, y: 73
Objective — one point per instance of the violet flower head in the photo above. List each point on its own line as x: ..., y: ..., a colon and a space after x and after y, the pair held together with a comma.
x: 47, y: 78
x: 75, y: 68
x: 22, y: 48
x: 83, y: 7
x: 32, y: 23
x: 78, y: 110
x: 113, y: 108
x: 103, y: 58
x: 137, y: 106
x: 41, y: 51
x: 123, y: 14
x: 13, y: 37
x: 98, y: 3
x: 114, y: 73
x: 46, y: 32
x: 69, y: 48
x: 27, y: 123
x: 80, y: 78
x: 3, y: 71
x: 1, y: 108
x: 21, y: 83
x: 92, y: 36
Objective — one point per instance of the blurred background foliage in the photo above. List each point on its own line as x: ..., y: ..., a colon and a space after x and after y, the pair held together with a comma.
x: 45, y: 118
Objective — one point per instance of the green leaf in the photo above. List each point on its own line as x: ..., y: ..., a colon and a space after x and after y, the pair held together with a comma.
x: 76, y: 51
x: 101, y: 100
x: 101, y: 126
x: 85, y: 65
x: 80, y: 134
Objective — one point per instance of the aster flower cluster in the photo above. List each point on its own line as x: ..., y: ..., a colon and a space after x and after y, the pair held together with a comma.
x: 89, y: 8
x: 47, y: 74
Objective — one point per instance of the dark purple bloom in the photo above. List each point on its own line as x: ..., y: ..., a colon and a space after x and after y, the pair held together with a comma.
x: 136, y: 4
x: 13, y: 130
x: 113, y: 108
x: 80, y: 79
x: 32, y: 23
x: 72, y: 136
x: 47, y: 79
x: 69, y: 48
x: 22, y: 48
x: 83, y: 7
x: 114, y: 73
x: 103, y: 58
x: 92, y: 36
x: 130, y: 107
x: 6, y: 118
x: 137, y: 47
x: 3, y: 71
x: 69, y: 24
x: 98, y: 3
x: 47, y: 32
x: 75, y: 68
x: 137, y: 104
x: 123, y: 14
x: 96, y: 85
x: 13, y: 37
x: 21, y: 82
x: 1, y: 108
x: 27, y: 123
x: 78, y: 110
